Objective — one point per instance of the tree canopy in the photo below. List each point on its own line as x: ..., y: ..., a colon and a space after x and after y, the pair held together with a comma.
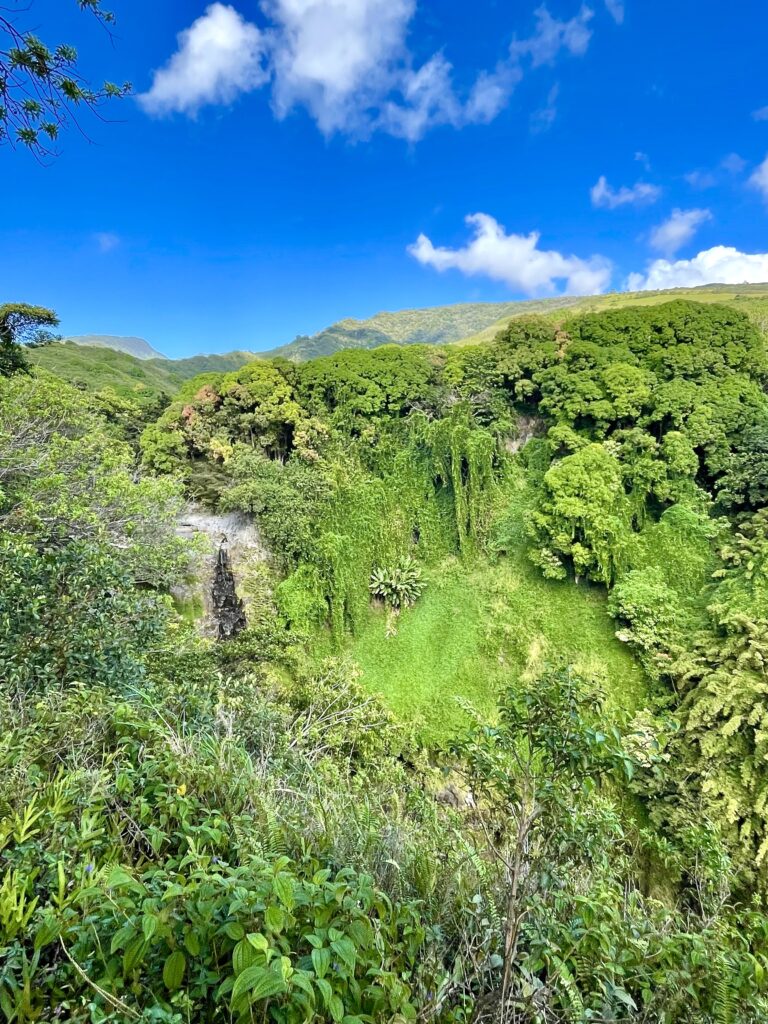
x: 41, y: 88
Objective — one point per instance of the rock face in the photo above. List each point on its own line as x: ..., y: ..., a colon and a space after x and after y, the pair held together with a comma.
x: 228, y: 547
x: 228, y: 608
x: 527, y: 427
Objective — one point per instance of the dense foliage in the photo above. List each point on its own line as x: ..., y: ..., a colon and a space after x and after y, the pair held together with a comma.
x: 203, y: 831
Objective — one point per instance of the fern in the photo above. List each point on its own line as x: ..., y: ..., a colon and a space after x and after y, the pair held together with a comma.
x: 573, y: 999
x: 725, y: 994
x: 485, y: 885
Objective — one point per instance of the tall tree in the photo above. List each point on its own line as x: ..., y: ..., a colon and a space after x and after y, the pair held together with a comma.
x: 41, y: 89
x: 20, y: 325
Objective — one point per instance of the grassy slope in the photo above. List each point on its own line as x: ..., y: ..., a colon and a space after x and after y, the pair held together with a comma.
x: 476, y: 629
x: 100, y: 368
x: 433, y: 326
x: 468, y: 323
x: 752, y: 299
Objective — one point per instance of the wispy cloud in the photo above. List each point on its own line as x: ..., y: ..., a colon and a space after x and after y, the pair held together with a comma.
x: 515, y: 260
x: 616, y: 10
x: 678, y: 230
x: 644, y: 159
x: 641, y: 193
x: 718, y: 265
x: 700, y: 179
x: 760, y: 114
x: 733, y: 163
x: 106, y: 241
x: 551, y: 36
x: 543, y: 118
x: 347, y: 62
x: 759, y: 179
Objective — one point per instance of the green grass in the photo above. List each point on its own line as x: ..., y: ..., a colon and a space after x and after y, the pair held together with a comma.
x: 476, y: 630
x: 140, y: 379
x: 751, y: 299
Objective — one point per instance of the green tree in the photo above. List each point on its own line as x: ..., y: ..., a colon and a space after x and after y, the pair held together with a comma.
x: 22, y: 324
x: 584, y: 517
x: 64, y: 476
x: 41, y: 89
x: 69, y: 615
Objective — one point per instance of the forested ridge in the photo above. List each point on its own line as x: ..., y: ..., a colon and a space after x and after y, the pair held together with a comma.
x: 560, y: 534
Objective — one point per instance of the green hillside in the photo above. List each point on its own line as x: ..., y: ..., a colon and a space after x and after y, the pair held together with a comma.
x: 463, y: 324
x: 751, y: 298
x: 99, y: 368
x: 430, y: 647
x: 438, y: 325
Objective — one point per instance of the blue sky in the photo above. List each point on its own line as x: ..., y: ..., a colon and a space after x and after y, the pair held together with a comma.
x: 289, y: 163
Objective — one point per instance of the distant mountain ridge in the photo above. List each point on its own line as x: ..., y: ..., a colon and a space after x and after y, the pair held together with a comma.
x: 136, y: 347
x: 435, y: 325
x: 94, y: 361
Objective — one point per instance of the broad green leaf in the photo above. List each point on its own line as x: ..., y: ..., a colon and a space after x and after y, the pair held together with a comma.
x: 244, y: 956
x: 283, y: 887
x: 173, y: 971
x: 321, y: 961
x: 120, y: 879
x: 325, y: 990
x: 257, y: 983
x: 344, y: 948
x: 275, y: 919
x: 134, y: 953
x: 121, y: 936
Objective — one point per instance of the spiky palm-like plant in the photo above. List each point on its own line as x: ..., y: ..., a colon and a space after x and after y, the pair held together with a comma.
x: 399, y: 586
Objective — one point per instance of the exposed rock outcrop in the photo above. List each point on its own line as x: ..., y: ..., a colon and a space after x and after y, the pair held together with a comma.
x: 228, y: 608
x: 527, y: 427
x: 227, y: 548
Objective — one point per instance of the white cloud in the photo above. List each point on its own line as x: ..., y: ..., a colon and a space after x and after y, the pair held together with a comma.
x: 516, y: 260
x: 337, y: 58
x: 644, y: 159
x: 552, y: 36
x: 106, y: 240
x: 219, y: 56
x: 701, y: 179
x: 720, y: 265
x: 544, y: 118
x: 427, y: 99
x: 678, y: 230
x: 603, y: 195
x: 491, y: 92
x: 616, y: 10
x: 733, y: 163
x: 759, y: 179
x: 347, y: 62
x: 761, y: 114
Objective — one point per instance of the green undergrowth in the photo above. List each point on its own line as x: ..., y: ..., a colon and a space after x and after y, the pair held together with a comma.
x: 479, y: 627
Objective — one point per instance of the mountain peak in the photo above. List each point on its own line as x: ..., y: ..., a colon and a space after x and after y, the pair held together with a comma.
x: 137, y: 347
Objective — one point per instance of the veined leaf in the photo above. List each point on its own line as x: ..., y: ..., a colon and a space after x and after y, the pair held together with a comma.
x: 256, y: 983
x: 173, y: 971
